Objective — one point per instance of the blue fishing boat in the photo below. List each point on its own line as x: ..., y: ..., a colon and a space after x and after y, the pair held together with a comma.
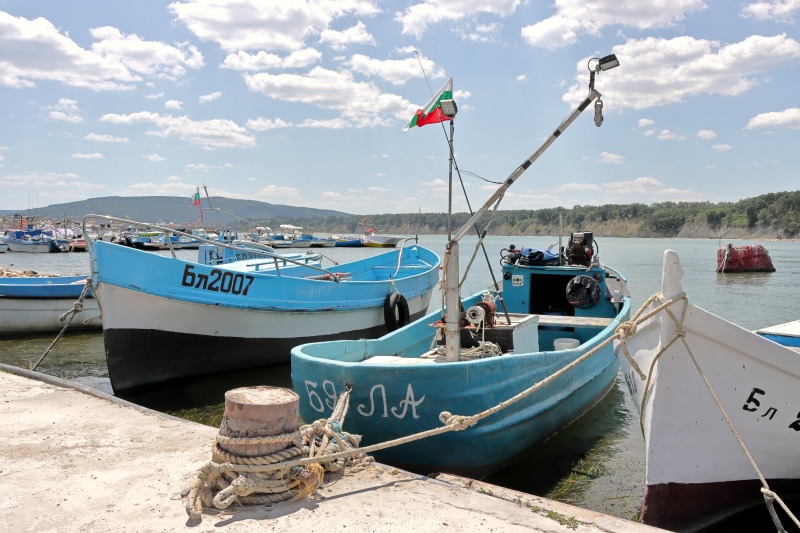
x: 473, y: 387
x: 36, y: 304
x: 787, y: 334
x: 27, y: 240
x: 167, y: 318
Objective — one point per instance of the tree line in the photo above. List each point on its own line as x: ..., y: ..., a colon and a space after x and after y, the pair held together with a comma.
x: 772, y: 215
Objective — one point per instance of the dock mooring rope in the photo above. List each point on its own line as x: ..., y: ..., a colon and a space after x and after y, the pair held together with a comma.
x: 67, y: 317
x: 292, y: 473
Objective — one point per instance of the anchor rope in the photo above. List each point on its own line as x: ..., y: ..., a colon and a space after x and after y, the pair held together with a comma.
x: 680, y: 334
x: 67, y: 317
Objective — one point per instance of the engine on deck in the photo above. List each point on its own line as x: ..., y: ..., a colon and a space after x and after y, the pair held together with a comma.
x: 580, y: 248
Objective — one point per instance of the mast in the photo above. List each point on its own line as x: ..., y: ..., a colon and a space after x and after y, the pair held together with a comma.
x: 452, y: 298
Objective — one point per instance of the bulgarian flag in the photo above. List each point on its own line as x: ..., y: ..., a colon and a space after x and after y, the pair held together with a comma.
x: 196, y: 197
x: 432, y: 112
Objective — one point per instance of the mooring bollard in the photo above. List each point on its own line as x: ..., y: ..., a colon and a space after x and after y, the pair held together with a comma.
x: 259, y: 411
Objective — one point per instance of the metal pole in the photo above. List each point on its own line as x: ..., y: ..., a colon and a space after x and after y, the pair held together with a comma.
x: 452, y: 302
x: 450, y: 183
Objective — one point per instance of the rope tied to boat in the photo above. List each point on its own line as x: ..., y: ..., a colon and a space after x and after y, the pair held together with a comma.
x: 680, y: 334
x: 289, y: 474
x: 77, y: 307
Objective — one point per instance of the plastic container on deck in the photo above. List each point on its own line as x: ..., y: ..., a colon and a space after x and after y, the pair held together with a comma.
x: 565, y: 343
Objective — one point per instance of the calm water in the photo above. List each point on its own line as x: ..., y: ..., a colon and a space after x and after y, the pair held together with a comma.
x: 597, y: 463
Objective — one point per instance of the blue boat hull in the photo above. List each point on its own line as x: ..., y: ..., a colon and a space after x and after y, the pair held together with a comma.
x: 43, y: 287
x: 168, y: 319
x: 391, y: 404
x: 401, y: 395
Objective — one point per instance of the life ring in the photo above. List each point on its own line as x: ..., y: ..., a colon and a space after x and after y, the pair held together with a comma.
x: 395, y: 311
x: 583, y: 292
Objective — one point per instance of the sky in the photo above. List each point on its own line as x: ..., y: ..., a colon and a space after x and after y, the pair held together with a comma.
x: 304, y: 102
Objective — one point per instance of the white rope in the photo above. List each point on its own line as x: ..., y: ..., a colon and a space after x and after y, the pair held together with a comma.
x: 67, y: 317
x: 292, y: 473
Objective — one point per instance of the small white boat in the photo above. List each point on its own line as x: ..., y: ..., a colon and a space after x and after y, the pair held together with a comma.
x: 374, y: 239
x: 36, y: 305
x: 707, y: 390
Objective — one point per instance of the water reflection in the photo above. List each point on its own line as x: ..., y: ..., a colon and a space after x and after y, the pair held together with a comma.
x: 745, y: 279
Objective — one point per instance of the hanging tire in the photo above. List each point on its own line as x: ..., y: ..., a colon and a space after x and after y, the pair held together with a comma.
x: 395, y: 311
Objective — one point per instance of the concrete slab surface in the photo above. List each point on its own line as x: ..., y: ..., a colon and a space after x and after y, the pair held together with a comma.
x: 75, y: 459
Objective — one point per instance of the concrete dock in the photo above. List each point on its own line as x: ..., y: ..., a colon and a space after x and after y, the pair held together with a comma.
x: 75, y: 459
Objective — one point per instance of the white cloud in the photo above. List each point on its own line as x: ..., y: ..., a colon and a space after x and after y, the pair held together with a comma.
x: 647, y: 189
x: 151, y: 59
x: 264, y: 124
x: 786, y: 119
x: 104, y: 138
x: 210, y: 97
x: 359, y: 104
x: 262, y: 61
x: 396, y: 71
x: 94, y: 155
x: 173, y: 104
x: 264, y: 25
x: 773, y: 10
x: 607, y: 157
x: 657, y: 72
x: 668, y: 135
x: 209, y: 134
x: 34, y: 50
x: 645, y: 122
x: 574, y: 18
x: 706, y: 135
x: 339, y: 40
x: 202, y: 167
x: 65, y: 110
x: 722, y: 147
x: 415, y: 19
x: 155, y: 158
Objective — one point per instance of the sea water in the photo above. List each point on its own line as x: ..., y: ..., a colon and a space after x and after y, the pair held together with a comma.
x: 596, y: 463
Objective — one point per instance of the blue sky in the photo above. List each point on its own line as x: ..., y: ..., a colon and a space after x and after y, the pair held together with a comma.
x: 303, y: 103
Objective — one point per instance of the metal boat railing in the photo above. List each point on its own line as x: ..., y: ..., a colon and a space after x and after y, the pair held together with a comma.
x: 275, y: 257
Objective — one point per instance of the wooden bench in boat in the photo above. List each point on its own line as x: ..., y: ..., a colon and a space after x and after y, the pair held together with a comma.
x: 404, y: 267
x: 572, y: 321
x: 396, y: 359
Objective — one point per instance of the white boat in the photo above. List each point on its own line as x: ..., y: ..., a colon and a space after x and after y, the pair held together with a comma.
x: 695, y: 377
x: 3, y: 247
x: 36, y: 304
x: 374, y: 239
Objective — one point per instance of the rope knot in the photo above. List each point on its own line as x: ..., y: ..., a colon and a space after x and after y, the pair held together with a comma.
x: 459, y: 422
x: 626, y: 329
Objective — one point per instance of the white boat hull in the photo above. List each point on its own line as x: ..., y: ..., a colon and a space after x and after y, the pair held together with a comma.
x: 19, y: 316
x: 696, y: 470
x: 39, y: 247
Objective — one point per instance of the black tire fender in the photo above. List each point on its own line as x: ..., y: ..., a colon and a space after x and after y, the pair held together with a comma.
x: 395, y: 311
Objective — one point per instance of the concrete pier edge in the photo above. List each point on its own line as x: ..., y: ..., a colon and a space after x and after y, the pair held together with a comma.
x: 126, y: 483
